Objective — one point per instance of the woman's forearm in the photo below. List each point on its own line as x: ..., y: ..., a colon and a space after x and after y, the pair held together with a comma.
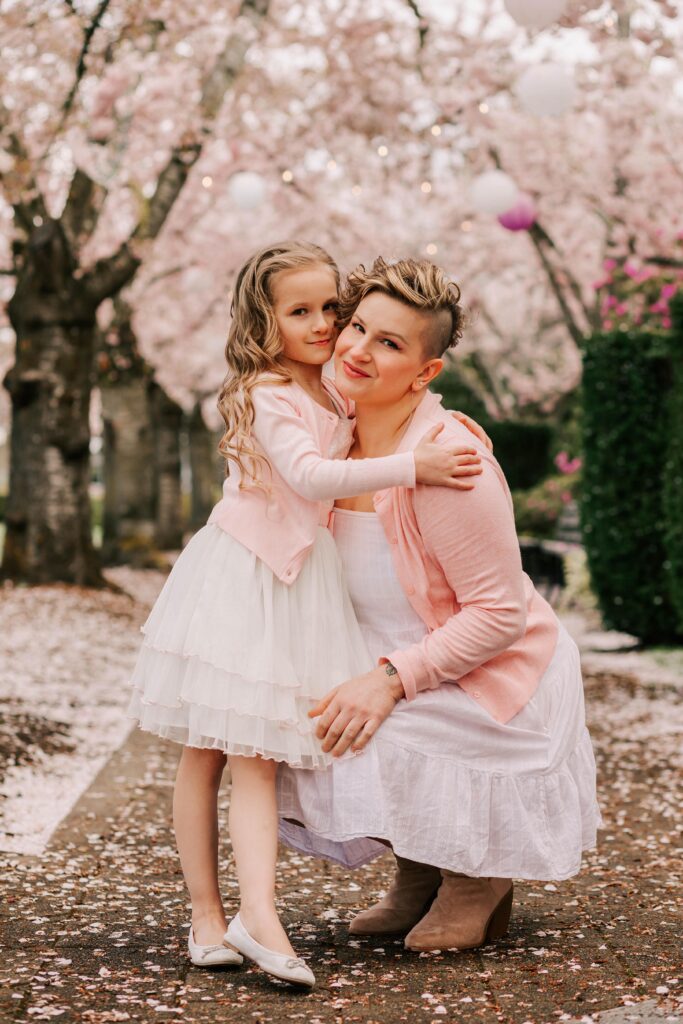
x: 467, y: 640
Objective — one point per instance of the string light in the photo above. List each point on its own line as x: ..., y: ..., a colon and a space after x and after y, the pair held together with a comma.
x: 426, y: 186
x: 436, y: 129
x: 332, y: 165
x: 382, y: 150
x: 484, y: 108
x: 431, y: 249
x: 207, y: 181
x: 287, y: 176
x: 356, y: 190
x: 466, y: 225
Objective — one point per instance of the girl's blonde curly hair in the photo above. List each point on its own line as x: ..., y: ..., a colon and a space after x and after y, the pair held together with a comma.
x: 253, y: 350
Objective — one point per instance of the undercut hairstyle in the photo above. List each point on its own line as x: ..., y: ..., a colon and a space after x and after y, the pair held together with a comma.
x: 419, y: 284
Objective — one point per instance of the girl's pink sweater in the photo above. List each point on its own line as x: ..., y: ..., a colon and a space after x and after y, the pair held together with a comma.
x: 457, y: 557
x: 295, y: 434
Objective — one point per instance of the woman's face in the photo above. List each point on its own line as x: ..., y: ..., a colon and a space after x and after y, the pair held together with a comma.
x: 380, y: 356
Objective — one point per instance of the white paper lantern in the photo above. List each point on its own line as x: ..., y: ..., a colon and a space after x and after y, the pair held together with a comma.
x: 546, y: 89
x: 247, y: 189
x: 493, y: 192
x: 535, y: 13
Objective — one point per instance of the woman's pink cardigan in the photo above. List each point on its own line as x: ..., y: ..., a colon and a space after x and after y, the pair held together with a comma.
x: 457, y: 557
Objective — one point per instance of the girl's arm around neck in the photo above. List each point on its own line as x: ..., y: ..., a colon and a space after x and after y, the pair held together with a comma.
x: 293, y: 452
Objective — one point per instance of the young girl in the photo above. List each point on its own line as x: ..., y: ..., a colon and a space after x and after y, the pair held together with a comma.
x: 254, y: 624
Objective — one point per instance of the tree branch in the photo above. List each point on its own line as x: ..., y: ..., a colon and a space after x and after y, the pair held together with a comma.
x: 574, y: 286
x: 422, y: 24
x: 538, y: 237
x: 112, y: 273
x: 80, y: 66
x: 82, y: 206
x: 19, y: 184
x: 664, y: 261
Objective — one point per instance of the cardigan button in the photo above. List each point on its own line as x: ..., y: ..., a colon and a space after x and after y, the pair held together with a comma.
x: 476, y: 694
x: 410, y: 589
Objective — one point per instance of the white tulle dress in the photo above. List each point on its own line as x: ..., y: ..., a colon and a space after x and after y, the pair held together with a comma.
x: 234, y: 659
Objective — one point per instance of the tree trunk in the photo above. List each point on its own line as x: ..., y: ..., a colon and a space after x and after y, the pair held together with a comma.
x: 204, y: 465
x: 168, y: 418
x: 53, y: 314
x: 48, y: 508
x: 129, y: 477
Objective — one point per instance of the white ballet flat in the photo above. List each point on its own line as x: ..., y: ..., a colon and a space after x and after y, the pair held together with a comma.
x: 212, y: 956
x: 287, y: 968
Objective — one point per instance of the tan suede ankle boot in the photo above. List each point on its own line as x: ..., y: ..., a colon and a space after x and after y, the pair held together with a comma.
x: 466, y: 913
x: 405, y: 903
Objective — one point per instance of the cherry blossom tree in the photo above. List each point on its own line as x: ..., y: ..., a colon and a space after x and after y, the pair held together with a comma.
x: 64, y: 160
x: 367, y: 122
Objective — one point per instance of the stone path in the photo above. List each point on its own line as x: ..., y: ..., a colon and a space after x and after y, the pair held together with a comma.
x: 94, y: 928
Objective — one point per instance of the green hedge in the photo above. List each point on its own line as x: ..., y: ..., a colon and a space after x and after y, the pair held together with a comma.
x: 673, y: 474
x: 538, y: 510
x: 522, y: 449
x: 625, y: 435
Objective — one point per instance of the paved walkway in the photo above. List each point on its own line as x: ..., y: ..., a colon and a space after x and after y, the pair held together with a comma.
x: 94, y: 927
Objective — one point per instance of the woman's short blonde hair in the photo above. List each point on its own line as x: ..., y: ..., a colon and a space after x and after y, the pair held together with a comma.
x: 419, y: 284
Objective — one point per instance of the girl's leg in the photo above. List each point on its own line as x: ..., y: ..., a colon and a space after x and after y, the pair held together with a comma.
x: 195, y: 819
x: 253, y: 831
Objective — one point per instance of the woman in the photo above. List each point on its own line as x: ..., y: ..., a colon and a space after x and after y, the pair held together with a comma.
x: 481, y: 769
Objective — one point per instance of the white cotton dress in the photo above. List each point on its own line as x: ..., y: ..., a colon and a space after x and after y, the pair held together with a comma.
x: 442, y: 781
x: 233, y: 659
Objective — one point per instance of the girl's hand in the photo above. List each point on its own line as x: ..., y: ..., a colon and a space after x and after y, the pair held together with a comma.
x: 474, y: 428
x: 445, y: 465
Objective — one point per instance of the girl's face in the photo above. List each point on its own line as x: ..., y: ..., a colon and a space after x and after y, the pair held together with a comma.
x: 380, y: 356
x: 305, y: 306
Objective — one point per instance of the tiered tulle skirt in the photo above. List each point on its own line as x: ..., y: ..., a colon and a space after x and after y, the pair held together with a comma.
x: 233, y: 659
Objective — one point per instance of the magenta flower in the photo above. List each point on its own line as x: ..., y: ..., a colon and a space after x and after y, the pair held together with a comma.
x: 567, y: 465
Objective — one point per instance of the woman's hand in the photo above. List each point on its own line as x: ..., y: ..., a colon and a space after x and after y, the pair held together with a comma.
x: 353, y: 712
x: 474, y: 428
x: 445, y: 465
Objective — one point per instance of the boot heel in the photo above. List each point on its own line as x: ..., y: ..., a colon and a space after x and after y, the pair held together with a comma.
x: 499, y: 922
